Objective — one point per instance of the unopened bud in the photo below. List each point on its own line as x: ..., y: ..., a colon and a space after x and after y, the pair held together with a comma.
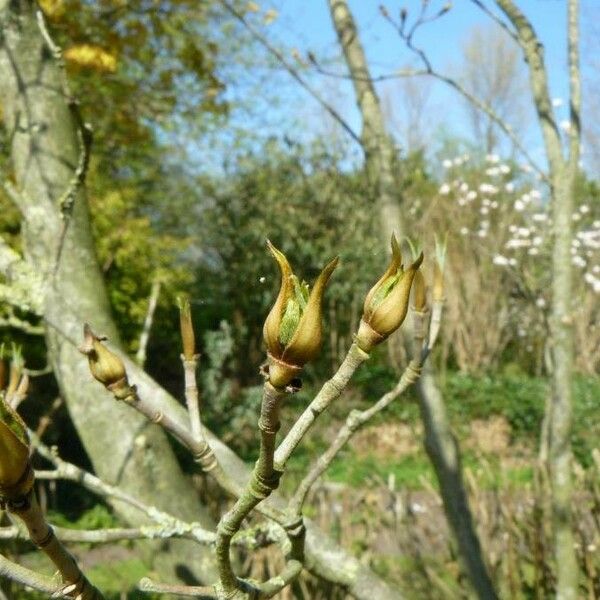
x: 16, y: 368
x: 386, y: 303
x: 293, y: 330
x: 419, y: 293
x: 105, y: 365
x: 187, y: 328
x: 438, y: 269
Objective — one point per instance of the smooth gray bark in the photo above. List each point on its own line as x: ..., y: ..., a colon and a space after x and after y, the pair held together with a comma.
x: 123, y: 447
x: 440, y: 443
x: 562, y: 175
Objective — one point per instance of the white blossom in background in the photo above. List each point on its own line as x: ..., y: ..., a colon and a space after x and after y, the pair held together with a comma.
x: 518, y: 233
x: 565, y: 125
x: 557, y: 102
x: 488, y: 188
x: 446, y: 163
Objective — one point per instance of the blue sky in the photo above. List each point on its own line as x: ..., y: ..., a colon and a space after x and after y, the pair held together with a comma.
x: 306, y: 25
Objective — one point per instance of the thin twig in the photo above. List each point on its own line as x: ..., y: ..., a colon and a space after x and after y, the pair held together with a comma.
x: 140, y: 356
x: 291, y: 70
x: 31, y: 579
x: 499, y: 21
x: 76, y: 585
x: 353, y: 422
x: 263, y: 481
x: 197, y: 591
x: 471, y: 98
x: 330, y: 391
x: 66, y: 201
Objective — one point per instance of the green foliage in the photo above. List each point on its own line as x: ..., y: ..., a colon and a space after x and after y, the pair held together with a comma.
x: 302, y: 200
x: 133, y: 253
x: 98, y: 516
x: 232, y: 410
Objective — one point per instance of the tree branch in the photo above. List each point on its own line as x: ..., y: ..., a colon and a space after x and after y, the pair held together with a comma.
x: 533, y: 51
x: 354, y: 421
x: 458, y: 87
x: 330, y: 392
x: 291, y: 69
x: 24, y: 287
x: 31, y: 579
x: 140, y: 356
x: 501, y: 23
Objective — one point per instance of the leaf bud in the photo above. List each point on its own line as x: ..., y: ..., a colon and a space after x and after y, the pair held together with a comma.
x: 438, y: 269
x: 187, y: 328
x: 104, y: 365
x: 293, y: 330
x: 386, y: 303
x: 419, y: 293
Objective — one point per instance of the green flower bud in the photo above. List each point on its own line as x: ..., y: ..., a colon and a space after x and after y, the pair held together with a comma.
x: 16, y: 476
x: 105, y: 365
x: 386, y: 303
x: 292, y: 330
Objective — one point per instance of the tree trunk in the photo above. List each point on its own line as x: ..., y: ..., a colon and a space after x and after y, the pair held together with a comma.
x: 562, y: 175
x: 440, y: 443
x: 123, y: 447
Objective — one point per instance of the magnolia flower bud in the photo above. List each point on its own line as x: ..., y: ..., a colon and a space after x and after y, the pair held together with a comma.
x: 16, y: 476
x: 386, y: 303
x: 292, y: 330
x: 105, y: 366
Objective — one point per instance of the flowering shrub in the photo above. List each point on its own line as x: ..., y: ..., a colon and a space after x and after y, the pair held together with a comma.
x: 500, y: 230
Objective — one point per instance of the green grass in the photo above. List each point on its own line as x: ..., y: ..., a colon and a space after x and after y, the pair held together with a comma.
x: 519, y: 399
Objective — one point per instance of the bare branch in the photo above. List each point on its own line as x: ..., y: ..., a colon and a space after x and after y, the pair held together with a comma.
x: 11, y: 320
x: 458, y: 87
x: 24, y: 287
x: 534, y: 55
x: 84, y: 137
x: 140, y: 356
x: 196, y: 591
x: 291, y: 69
x: 24, y: 576
x: 501, y: 23
x: 330, y: 392
x: 574, y: 86
x: 13, y: 194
